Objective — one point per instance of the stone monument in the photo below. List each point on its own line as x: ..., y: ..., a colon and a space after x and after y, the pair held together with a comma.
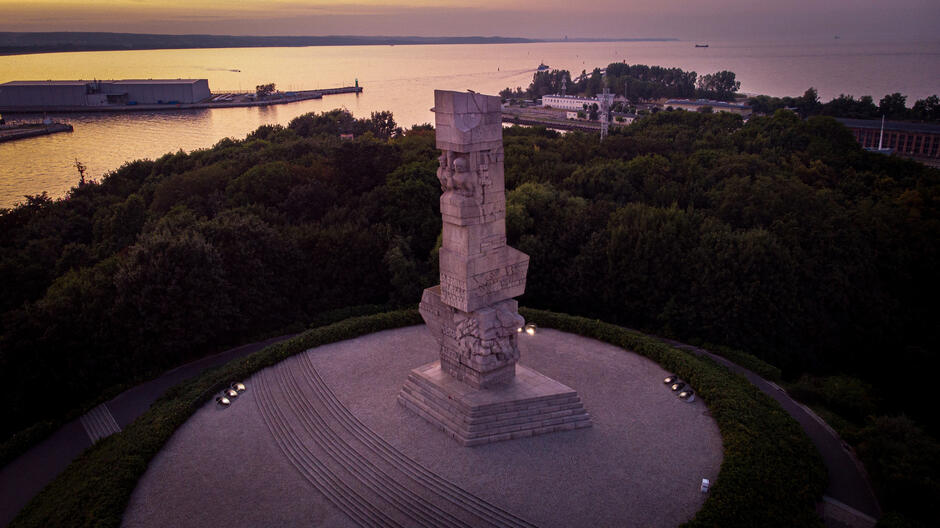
x: 476, y: 392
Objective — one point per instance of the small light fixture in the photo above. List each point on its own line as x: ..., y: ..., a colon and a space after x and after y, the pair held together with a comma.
x: 231, y: 393
x: 677, y: 386
x: 223, y: 401
x: 519, y: 330
x: 670, y: 379
x: 530, y: 329
x: 239, y: 386
x: 688, y: 395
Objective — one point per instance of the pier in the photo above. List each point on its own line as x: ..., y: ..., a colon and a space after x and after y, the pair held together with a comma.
x: 21, y: 131
x: 220, y: 100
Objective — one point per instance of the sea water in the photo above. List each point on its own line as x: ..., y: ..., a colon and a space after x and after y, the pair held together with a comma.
x: 402, y: 79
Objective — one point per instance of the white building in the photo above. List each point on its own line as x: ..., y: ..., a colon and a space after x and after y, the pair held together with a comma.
x: 567, y: 102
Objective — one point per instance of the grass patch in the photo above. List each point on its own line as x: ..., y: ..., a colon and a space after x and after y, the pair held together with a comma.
x: 771, y: 474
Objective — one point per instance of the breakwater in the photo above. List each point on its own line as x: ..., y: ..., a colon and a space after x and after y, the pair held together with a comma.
x: 9, y: 133
x: 216, y: 101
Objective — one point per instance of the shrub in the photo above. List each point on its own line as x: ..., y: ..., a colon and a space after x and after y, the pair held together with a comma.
x: 748, y: 361
x: 96, y: 486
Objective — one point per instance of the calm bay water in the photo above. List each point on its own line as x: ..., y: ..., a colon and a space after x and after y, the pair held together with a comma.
x: 402, y: 79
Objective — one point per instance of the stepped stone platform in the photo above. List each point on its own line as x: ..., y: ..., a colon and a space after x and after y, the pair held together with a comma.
x: 532, y: 404
x: 320, y: 439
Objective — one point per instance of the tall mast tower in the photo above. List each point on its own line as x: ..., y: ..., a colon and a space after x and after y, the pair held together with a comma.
x: 605, y: 100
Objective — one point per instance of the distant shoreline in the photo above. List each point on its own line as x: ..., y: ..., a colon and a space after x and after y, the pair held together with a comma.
x: 63, y: 42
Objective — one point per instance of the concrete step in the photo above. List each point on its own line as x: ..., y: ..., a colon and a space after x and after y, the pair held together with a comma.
x: 397, y: 498
x: 484, y: 512
x: 99, y: 423
x: 462, y: 408
x: 310, y: 468
x: 506, y: 416
x: 357, y: 471
x: 529, y: 418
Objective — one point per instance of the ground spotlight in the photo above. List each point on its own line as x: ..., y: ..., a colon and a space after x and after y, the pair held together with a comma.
x: 223, y: 401
x: 231, y: 393
x: 677, y: 386
x: 672, y: 378
x: 687, y: 395
x: 239, y: 386
x: 530, y: 329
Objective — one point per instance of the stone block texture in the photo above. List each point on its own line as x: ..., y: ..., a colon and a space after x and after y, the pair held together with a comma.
x: 533, y: 404
x: 473, y: 392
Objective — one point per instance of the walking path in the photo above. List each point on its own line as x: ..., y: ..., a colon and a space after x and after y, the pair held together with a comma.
x: 849, y: 502
x: 25, y: 476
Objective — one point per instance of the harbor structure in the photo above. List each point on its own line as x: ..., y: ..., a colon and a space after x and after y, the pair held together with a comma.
x: 717, y: 106
x: 96, y: 93
x: 132, y: 95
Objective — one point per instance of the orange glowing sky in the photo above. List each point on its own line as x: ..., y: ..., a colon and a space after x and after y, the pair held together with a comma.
x: 523, y: 18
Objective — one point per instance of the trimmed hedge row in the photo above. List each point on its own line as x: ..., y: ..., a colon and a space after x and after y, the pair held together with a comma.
x: 743, y: 359
x: 95, y: 488
x: 771, y: 474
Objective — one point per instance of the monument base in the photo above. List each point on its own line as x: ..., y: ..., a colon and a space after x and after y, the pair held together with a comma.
x: 529, y: 405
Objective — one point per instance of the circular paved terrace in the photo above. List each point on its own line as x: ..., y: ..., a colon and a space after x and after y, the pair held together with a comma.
x: 320, y: 439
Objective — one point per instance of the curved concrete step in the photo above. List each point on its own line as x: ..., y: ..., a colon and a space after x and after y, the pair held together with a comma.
x: 346, y: 499
x: 483, y: 512
x: 99, y: 423
x: 395, y: 497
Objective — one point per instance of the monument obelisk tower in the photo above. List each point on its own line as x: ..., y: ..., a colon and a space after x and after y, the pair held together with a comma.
x: 472, y: 313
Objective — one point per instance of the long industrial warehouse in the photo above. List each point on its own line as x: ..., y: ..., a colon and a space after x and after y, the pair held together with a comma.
x: 29, y: 94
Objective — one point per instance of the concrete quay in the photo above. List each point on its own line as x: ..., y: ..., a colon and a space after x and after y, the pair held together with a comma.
x: 242, y: 102
x: 32, y: 130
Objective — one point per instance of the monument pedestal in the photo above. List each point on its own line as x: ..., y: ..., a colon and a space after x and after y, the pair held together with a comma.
x: 530, y: 404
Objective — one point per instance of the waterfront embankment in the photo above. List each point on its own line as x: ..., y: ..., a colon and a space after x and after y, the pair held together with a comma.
x: 216, y: 101
x: 12, y: 132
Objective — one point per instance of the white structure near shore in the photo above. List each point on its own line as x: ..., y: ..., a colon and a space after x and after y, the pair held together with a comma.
x: 15, y: 94
x: 567, y: 102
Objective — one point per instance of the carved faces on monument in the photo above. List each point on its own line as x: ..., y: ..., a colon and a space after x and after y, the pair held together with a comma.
x: 455, y: 174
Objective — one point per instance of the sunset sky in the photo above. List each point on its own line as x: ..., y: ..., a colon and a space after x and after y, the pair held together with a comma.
x: 523, y: 18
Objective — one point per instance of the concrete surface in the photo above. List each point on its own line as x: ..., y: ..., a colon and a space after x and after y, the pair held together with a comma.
x: 320, y: 439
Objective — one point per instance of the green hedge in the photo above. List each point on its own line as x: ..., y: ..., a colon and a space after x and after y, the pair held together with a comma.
x: 771, y: 474
x: 95, y: 488
x: 748, y: 361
